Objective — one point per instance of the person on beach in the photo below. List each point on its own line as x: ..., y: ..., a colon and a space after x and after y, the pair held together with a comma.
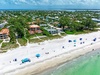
x: 15, y: 59
x: 83, y: 42
x: 10, y: 61
x: 42, y: 48
x: 46, y: 52
x: 80, y: 42
x: 63, y: 47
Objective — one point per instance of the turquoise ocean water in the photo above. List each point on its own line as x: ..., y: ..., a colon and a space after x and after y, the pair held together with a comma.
x: 88, y: 64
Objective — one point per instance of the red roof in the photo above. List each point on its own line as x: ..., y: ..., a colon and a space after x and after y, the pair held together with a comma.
x: 34, y: 26
x: 4, y: 31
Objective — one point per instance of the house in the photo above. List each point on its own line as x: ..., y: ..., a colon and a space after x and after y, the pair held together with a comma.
x: 96, y: 20
x: 34, y: 29
x: 98, y: 24
x: 59, y: 30
x: 4, y: 33
x: 3, y: 24
x: 43, y: 25
x: 52, y: 31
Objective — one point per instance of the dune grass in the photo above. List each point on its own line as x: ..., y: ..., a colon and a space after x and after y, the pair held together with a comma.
x: 6, y: 46
x: 22, y: 41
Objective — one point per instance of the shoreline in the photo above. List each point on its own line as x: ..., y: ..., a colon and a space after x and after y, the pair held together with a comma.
x: 41, y: 66
x: 57, y: 54
x: 69, y: 64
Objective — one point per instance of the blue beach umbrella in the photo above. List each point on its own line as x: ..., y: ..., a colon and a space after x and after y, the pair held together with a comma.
x: 74, y: 40
x: 37, y: 55
x: 69, y: 40
x: 80, y: 38
x: 94, y: 39
x: 25, y: 60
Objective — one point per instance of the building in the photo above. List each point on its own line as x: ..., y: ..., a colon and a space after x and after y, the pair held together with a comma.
x: 43, y: 25
x: 3, y: 24
x: 52, y: 31
x: 4, y: 33
x: 96, y: 20
x: 34, y: 29
x: 59, y: 30
x: 98, y: 24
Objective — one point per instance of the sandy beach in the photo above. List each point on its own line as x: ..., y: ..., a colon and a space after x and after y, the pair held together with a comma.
x: 52, y: 53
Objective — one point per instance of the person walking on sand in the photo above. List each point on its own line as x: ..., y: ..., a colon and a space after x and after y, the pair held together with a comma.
x: 63, y: 47
x: 42, y: 48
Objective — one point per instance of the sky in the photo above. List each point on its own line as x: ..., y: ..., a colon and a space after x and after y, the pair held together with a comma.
x: 49, y: 4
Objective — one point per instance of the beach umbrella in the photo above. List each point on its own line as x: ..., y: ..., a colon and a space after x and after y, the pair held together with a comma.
x: 25, y: 60
x: 74, y: 40
x: 37, y: 55
x: 94, y: 39
x: 69, y: 40
x: 80, y: 38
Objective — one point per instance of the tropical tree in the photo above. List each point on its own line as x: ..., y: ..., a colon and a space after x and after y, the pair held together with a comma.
x: 88, y: 24
x: 64, y: 21
x: 12, y: 35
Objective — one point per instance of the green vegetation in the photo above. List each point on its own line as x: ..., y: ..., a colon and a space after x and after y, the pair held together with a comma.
x: 77, y: 22
x: 22, y: 41
x: 45, y: 32
x: 54, y: 37
x: 6, y: 46
x: 73, y: 26
x: 63, y: 34
x: 80, y: 32
x: 36, y: 40
x: 45, y: 38
x: 1, y: 41
x: 69, y: 32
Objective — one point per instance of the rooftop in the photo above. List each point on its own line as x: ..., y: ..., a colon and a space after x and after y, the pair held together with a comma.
x: 34, y: 26
x: 4, y: 31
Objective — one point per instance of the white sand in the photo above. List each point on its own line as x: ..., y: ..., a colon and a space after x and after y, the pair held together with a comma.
x: 54, y: 47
